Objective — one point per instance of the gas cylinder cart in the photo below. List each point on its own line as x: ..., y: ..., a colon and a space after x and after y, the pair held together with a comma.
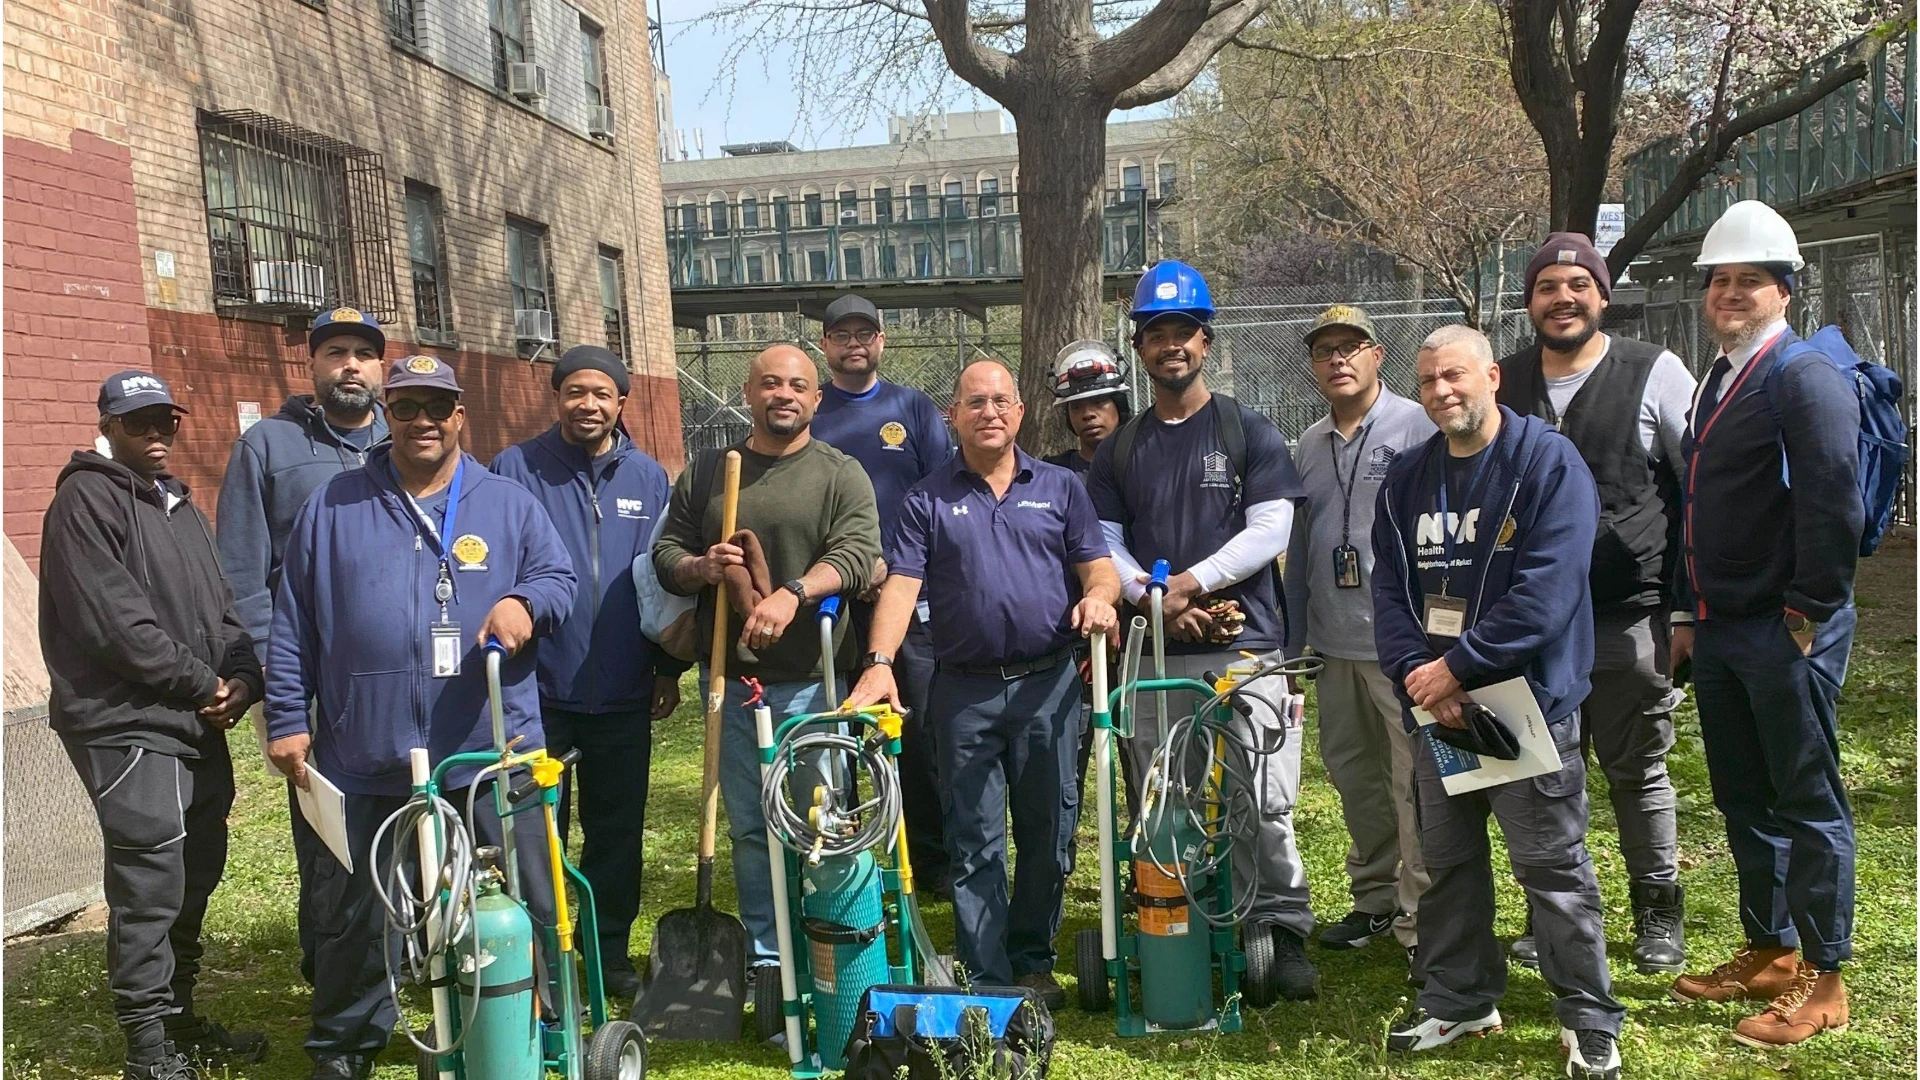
x: 467, y: 932
x: 842, y: 880
x: 1199, y: 798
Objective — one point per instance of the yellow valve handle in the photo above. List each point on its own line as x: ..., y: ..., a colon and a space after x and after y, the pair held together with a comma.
x: 547, y: 770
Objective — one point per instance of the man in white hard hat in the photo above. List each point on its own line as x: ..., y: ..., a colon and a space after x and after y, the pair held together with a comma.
x: 1772, y: 529
x: 1088, y: 384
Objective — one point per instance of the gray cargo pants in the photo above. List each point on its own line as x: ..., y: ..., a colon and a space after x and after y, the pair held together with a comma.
x: 1369, y: 757
x: 1628, y: 720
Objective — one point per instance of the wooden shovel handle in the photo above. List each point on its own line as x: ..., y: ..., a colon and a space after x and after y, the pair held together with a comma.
x: 717, y: 677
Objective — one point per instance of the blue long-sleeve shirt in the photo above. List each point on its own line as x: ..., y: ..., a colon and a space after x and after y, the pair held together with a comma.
x: 353, y: 615
x: 895, y: 432
x: 1523, y: 544
x: 606, y: 510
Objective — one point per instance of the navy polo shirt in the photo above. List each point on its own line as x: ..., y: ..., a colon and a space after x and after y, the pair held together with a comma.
x: 999, y: 573
x: 895, y: 432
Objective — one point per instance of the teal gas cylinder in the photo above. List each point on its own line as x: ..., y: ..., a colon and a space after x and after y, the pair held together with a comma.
x: 842, y: 916
x: 504, y: 1041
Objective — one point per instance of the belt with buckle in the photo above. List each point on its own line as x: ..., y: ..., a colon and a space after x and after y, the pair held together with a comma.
x: 1010, y: 671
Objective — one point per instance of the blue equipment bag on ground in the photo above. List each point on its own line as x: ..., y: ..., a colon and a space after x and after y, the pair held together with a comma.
x: 1883, y: 425
x: 934, y: 1033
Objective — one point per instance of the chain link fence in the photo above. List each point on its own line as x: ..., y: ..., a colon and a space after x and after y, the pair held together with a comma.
x: 52, y: 844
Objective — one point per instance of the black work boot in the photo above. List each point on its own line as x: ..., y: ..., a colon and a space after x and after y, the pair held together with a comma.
x: 158, y: 1063
x: 205, y: 1041
x: 1523, y: 951
x: 1294, y: 976
x: 1659, y: 926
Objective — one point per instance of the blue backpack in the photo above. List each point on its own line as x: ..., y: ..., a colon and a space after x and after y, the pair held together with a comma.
x: 1883, y: 425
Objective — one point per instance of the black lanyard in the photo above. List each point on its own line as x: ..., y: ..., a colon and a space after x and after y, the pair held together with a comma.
x: 1346, y: 486
x: 1446, y: 525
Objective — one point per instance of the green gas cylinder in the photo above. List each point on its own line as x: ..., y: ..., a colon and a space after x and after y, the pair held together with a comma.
x: 1176, y: 956
x: 842, y: 916
x: 504, y: 1041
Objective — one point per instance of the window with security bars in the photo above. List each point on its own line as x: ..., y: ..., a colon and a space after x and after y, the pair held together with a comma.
x: 507, y: 27
x: 296, y: 221
x: 530, y: 269
x: 613, y: 301
x: 401, y: 22
x: 427, y: 255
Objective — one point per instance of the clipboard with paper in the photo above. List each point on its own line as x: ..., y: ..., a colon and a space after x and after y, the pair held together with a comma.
x: 1514, y: 704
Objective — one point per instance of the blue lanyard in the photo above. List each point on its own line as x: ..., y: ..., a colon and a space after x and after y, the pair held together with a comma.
x: 1446, y: 524
x: 440, y: 538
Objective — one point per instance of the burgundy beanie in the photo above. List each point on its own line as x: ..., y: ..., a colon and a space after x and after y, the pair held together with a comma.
x: 1570, y: 249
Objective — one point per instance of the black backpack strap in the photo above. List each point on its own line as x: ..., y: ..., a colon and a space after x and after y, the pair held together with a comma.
x: 706, y: 481
x: 1233, y: 435
x: 1123, y: 441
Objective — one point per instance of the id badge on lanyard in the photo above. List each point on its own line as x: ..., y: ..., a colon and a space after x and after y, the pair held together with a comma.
x: 1346, y: 558
x: 444, y: 633
x: 1446, y: 615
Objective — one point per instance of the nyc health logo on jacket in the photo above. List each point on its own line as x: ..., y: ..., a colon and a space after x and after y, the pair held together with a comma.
x: 352, y: 615
x: 1526, y: 531
x: 607, y: 511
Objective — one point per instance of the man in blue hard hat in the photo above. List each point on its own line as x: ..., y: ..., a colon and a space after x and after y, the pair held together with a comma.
x: 276, y: 465
x: 1207, y: 484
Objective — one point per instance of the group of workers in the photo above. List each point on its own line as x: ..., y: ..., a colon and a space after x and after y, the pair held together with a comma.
x: 1580, y: 514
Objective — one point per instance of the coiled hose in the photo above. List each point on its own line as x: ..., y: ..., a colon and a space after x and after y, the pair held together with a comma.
x: 875, y: 821
x: 414, y: 917
x: 1224, y: 812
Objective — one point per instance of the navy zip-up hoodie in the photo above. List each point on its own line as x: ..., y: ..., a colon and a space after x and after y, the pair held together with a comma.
x: 1529, y: 611
x: 605, y: 509
x: 1755, y: 547
x: 276, y: 466
x: 351, y: 619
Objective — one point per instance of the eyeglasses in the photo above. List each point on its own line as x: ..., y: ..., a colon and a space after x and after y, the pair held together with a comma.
x: 151, y: 425
x: 407, y: 410
x: 999, y: 403
x: 844, y: 338
x: 1325, y: 354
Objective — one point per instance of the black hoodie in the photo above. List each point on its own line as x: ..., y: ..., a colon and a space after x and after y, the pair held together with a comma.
x: 136, y: 622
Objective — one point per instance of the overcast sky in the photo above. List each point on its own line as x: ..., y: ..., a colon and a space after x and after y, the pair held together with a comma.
x: 769, y: 109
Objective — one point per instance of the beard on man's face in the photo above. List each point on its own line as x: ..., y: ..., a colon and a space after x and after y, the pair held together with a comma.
x: 352, y: 399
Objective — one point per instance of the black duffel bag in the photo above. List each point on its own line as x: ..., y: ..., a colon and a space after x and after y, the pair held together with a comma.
x: 940, y: 1033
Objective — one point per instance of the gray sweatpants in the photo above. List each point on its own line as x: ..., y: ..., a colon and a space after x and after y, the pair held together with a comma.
x: 1545, y: 822
x: 1369, y: 756
x: 1629, y: 722
x: 1271, y: 860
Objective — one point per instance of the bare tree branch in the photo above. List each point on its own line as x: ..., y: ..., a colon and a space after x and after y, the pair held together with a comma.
x: 1241, y: 41
x: 985, y: 67
x: 1191, y: 60
x: 1148, y: 45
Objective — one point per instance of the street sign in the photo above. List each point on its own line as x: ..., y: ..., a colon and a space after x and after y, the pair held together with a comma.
x: 1610, y: 226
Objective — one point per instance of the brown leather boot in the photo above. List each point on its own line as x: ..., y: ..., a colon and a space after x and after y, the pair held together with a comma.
x: 1752, y: 975
x: 1815, y: 1003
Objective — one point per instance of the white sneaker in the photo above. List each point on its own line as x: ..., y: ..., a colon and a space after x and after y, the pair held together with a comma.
x: 1591, y: 1055
x: 1420, y: 1031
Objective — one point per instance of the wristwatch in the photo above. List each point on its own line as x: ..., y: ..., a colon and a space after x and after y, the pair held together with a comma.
x: 1799, y: 624
x: 875, y: 659
x: 797, y: 588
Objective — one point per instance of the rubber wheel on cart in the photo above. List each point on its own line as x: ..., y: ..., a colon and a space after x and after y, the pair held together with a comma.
x: 1257, y: 986
x: 423, y: 1067
x: 616, y: 1051
x: 1091, y: 969
x: 768, y: 1019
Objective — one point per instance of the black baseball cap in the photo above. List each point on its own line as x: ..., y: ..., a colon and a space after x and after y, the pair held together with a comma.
x: 344, y: 320
x: 847, y: 307
x: 131, y: 391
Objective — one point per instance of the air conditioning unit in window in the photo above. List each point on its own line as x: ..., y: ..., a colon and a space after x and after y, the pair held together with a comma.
x: 279, y: 282
x: 600, y: 121
x: 849, y: 216
x: 533, y: 325
x: 989, y: 208
x: 528, y: 82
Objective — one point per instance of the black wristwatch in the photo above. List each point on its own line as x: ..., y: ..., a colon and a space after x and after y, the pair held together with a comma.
x: 875, y: 659
x: 797, y: 588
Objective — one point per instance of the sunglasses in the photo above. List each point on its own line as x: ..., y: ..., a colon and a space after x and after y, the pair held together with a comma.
x: 407, y: 410
x: 162, y: 425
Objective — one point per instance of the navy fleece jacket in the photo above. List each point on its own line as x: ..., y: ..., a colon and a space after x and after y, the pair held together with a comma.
x: 606, y: 510
x: 351, y: 619
x: 1529, y: 612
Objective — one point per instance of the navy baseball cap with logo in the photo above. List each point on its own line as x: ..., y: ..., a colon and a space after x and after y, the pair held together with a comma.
x: 344, y: 320
x: 130, y: 391
x: 422, y: 370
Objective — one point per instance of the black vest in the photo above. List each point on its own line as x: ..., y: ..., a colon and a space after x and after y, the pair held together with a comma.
x: 1633, y: 557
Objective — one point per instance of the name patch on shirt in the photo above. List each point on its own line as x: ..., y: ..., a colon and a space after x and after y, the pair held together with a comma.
x: 630, y: 508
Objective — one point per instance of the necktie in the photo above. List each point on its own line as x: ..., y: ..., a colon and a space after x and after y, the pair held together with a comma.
x: 1710, y: 397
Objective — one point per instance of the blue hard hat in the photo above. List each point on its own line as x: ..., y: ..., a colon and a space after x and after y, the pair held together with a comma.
x: 1171, y: 287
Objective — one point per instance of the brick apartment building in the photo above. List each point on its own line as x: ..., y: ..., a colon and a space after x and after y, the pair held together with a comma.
x: 187, y: 181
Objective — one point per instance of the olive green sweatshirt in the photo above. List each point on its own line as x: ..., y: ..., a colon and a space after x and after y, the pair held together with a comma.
x: 812, y: 506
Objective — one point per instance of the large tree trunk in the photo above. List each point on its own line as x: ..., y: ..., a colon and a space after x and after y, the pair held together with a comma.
x: 1063, y: 164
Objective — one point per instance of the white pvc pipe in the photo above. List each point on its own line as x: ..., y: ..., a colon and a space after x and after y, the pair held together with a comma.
x: 836, y: 765
x: 501, y: 781
x: 1103, y: 786
x: 777, y: 861
x: 428, y: 838
x: 1159, y: 595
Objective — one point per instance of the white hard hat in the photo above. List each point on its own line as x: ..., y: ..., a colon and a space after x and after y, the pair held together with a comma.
x: 1750, y: 232
x: 1085, y: 369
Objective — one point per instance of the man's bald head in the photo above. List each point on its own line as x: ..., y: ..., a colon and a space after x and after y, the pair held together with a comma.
x: 782, y: 391
x: 986, y: 406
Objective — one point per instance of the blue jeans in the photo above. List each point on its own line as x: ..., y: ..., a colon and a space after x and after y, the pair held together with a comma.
x: 1008, y: 745
x: 1768, y: 718
x: 740, y: 790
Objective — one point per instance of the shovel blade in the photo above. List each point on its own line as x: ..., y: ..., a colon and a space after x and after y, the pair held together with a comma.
x: 697, y: 986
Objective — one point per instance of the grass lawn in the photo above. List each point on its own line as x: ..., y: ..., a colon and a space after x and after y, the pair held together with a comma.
x: 59, y: 1022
